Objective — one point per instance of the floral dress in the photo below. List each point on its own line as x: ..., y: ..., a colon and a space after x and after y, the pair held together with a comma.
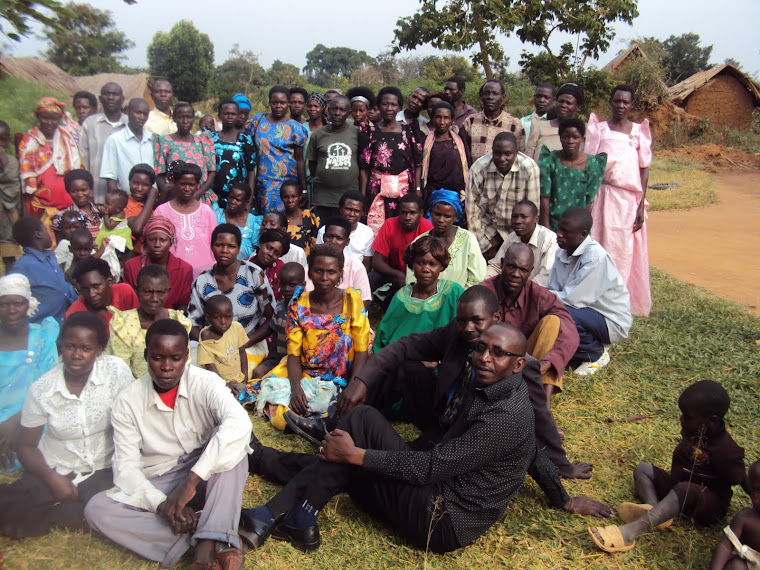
x: 234, y: 162
x: 305, y: 235
x: 275, y: 147
x: 200, y: 152
x: 391, y: 159
x: 91, y: 222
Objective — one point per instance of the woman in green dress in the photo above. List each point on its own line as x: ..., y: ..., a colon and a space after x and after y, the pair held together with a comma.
x: 425, y: 304
x: 569, y: 177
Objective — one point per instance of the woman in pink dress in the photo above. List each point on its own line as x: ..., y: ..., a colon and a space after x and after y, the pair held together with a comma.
x: 193, y: 220
x: 619, y: 209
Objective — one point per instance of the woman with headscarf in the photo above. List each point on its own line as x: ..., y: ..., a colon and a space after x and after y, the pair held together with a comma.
x: 619, y: 210
x: 46, y: 153
x: 159, y: 238
x: 27, y: 351
x: 390, y: 158
x: 244, y: 109
x: 444, y: 160
x: 467, y: 266
x: 279, y: 144
x: 546, y: 132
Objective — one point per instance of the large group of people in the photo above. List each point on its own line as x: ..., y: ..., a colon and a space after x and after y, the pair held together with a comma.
x: 174, y: 280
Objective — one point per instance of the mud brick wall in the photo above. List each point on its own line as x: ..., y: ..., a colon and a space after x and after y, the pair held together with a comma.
x: 725, y: 101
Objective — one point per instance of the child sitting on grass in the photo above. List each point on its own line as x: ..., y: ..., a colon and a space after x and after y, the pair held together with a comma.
x: 740, y: 548
x: 70, y: 221
x: 114, y: 218
x: 292, y: 276
x: 221, y: 347
x: 706, y: 464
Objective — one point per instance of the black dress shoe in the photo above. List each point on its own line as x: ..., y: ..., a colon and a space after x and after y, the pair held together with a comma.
x: 254, y: 531
x: 312, y: 430
x: 304, y: 539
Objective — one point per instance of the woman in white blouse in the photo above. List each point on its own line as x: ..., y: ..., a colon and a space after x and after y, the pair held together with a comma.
x: 66, y: 441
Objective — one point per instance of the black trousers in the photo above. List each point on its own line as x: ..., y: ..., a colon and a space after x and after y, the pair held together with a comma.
x: 417, y: 513
x: 28, y: 508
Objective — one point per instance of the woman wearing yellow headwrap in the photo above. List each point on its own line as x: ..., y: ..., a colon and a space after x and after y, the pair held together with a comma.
x: 46, y: 153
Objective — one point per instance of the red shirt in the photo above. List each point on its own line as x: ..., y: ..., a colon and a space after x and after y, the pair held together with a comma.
x: 132, y: 210
x: 123, y: 297
x: 168, y: 398
x: 180, y: 278
x: 391, y: 241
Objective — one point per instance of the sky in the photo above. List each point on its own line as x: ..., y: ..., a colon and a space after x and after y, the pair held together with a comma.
x: 730, y: 26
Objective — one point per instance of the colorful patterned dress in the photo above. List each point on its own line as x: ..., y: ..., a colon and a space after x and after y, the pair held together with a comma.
x: 234, y: 162
x: 275, y: 147
x: 199, y: 151
x: 305, y: 235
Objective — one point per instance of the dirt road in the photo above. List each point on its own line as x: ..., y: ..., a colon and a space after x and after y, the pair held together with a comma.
x: 717, y: 247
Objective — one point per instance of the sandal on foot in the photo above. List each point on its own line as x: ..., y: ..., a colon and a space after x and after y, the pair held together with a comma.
x: 609, y: 539
x: 629, y: 512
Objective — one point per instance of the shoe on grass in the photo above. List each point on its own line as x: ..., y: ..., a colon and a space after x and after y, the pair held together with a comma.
x: 589, y: 368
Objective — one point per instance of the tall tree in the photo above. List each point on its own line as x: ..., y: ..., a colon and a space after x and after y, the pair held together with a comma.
x: 185, y: 57
x: 86, y: 41
x: 684, y: 57
x: 323, y: 62
x: 463, y: 24
x: 238, y: 74
x: 18, y: 16
x: 284, y: 74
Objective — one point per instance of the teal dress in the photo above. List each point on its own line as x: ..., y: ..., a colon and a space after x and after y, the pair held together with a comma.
x: 19, y: 368
x: 249, y: 235
x: 568, y: 187
x: 407, y: 315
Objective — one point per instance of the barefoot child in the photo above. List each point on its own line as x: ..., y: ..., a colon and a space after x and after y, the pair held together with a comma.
x: 706, y: 464
x: 222, y: 344
x: 114, y: 218
x: 740, y: 548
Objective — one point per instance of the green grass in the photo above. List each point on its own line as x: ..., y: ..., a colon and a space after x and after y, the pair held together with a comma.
x: 18, y: 98
x: 691, y: 335
x: 697, y: 185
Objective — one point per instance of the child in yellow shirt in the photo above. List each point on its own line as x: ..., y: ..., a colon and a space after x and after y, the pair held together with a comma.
x: 221, y: 347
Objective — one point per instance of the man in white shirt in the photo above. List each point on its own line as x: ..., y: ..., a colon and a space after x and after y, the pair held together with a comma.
x: 585, y: 279
x: 95, y: 131
x: 415, y: 103
x: 128, y: 147
x: 540, y: 239
x: 160, y: 120
x: 180, y: 460
x: 351, y: 207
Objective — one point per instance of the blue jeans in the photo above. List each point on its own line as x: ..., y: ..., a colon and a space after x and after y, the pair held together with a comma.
x: 592, y: 328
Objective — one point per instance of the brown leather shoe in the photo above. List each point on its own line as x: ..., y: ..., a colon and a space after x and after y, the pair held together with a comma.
x: 232, y: 559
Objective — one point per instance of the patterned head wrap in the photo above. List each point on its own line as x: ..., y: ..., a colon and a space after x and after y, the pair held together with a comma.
x: 50, y: 104
x: 572, y: 89
x: 17, y: 284
x: 448, y: 197
x: 160, y: 225
x: 242, y: 101
x: 318, y: 97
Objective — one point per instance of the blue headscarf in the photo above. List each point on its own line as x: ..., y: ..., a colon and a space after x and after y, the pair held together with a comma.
x: 242, y: 101
x: 447, y: 197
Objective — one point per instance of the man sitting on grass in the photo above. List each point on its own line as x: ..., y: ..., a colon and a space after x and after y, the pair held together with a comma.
x: 585, y: 279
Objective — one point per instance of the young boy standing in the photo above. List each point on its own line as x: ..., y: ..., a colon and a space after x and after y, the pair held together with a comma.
x: 706, y: 464
x: 221, y: 347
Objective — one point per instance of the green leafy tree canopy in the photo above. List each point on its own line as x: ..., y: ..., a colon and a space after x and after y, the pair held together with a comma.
x: 86, y: 41
x: 323, y: 62
x: 684, y: 57
x: 240, y: 73
x: 463, y: 24
x: 185, y: 57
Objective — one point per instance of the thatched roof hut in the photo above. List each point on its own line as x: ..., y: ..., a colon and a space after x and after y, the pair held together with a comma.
x: 134, y: 85
x: 40, y: 71
x: 724, y: 94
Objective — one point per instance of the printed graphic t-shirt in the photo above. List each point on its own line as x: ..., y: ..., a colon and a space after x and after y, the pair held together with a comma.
x: 336, y: 154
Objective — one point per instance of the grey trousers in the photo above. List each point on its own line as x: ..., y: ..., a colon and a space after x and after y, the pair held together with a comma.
x: 150, y: 535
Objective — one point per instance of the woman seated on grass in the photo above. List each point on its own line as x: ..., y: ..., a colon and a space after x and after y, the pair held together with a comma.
x: 236, y: 212
x: 425, y: 304
x: 128, y: 328
x: 569, y: 177
x: 328, y: 338
x: 27, y: 351
x: 66, y: 441
x: 467, y: 266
